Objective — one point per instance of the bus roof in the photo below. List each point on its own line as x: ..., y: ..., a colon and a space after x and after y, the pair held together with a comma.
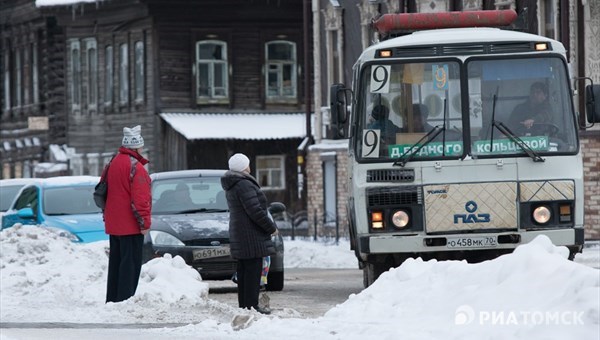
x: 450, y: 36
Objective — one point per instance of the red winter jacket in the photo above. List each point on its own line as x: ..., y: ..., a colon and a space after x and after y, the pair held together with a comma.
x: 129, y: 200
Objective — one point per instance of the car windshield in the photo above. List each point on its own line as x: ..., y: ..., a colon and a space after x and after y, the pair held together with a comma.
x: 188, y: 195
x: 7, y: 194
x: 69, y: 200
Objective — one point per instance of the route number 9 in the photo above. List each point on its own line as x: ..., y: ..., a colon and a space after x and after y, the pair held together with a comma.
x: 380, y: 79
x: 370, y: 143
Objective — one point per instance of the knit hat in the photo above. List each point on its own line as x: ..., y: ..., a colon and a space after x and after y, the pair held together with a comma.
x: 132, y: 137
x: 238, y: 162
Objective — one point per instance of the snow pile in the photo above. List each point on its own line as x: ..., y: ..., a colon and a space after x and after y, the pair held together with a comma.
x: 533, y: 293
x: 171, y: 280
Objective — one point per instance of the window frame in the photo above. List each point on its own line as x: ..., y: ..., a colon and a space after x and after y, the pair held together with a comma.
x: 224, y: 62
x: 280, y: 64
x: 139, y: 74
x: 74, y: 75
x: 91, y: 74
x: 123, y: 74
x: 109, y: 73
x: 269, y: 172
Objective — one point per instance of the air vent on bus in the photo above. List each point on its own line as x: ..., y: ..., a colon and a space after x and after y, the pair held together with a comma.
x: 464, y: 49
x: 394, y: 196
x: 391, y: 175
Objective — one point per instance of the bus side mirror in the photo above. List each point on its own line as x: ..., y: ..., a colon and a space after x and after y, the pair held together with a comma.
x: 592, y: 103
x: 338, y: 109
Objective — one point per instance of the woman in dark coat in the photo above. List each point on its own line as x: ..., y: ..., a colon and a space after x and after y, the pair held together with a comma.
x: 250, y: 229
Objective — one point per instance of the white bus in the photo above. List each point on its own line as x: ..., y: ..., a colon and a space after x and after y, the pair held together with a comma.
x: 463, y: 144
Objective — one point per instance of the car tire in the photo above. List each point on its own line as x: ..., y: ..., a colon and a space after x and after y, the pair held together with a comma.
x: 274, y: 281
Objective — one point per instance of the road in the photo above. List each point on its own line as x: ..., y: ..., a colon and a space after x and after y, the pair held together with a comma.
x: 310, y: 292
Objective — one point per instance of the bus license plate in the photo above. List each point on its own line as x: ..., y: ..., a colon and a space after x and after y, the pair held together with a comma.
x: 211, y: 252
x: 471, y: 242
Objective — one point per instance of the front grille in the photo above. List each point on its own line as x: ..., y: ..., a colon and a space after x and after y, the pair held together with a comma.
x: 391, y: 175
x: 394, y: 196
x: 205, y: 242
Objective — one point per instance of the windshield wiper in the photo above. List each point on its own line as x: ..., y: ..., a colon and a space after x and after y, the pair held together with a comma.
x: 507, y: 132
x: 528, y: 150
x: 408, y: 155
x: 203, y: 210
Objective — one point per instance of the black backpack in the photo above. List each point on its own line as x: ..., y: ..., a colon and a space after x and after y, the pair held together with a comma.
x: 101, y: 189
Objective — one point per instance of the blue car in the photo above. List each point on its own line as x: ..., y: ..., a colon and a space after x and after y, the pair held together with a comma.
x: 65, y: 203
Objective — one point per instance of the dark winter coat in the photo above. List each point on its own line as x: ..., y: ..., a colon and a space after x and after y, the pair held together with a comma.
x: 250, y: 226
x: 129, y: 200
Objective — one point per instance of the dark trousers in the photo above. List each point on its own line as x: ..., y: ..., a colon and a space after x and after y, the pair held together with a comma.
x: 124, y: 266
x: 248, y: 275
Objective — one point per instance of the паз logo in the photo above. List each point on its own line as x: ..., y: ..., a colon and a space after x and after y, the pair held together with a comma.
x: 471, y: 217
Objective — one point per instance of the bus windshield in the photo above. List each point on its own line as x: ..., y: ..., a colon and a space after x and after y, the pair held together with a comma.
x: 417, y: 110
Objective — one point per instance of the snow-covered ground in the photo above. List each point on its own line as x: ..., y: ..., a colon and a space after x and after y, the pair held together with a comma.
x: 534, y: 293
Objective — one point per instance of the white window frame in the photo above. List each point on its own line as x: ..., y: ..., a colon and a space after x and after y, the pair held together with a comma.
x: 109, y: 69
x: 211, y: 63
x: 269, y: 172
x: 91, y: 88
x: 139, y: 79
x: 277, y: 66
x: 74, y: 78
x: 123, y: 74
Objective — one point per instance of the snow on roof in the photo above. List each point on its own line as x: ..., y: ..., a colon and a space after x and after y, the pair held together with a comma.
x: 253, y: 126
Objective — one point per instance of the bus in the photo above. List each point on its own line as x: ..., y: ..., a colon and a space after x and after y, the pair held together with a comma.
x: 463, y: 144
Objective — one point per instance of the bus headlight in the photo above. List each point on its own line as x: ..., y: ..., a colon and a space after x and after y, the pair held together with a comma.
x: 400, y: 219
x: 542, y: 214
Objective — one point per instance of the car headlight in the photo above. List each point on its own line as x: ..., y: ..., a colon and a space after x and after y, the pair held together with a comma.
x: 400, y: 219
x: 542, y: 214
x: 64, y: 233
x: 160, y: 238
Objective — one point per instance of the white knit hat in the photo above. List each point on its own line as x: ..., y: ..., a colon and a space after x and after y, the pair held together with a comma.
x: 238, y: 162
x: 132, y: 138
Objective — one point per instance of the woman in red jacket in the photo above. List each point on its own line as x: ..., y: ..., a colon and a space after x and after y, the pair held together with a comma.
x: 126, y: 215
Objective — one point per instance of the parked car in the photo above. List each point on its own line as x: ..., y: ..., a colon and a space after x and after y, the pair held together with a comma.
x: 64, y: 203
x: 190, y: 218
x: 9, y: 188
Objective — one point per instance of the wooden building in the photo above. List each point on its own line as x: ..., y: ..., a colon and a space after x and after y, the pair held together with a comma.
x: 128, y: 62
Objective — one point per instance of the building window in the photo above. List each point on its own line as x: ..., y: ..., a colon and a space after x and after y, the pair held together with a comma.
x: 139, y: 71
x: 6, y: 57
x: 92, y: 74
x: 123, y: 75
x: 34, y: 73
x: 281, y: 70
x: 108, y: 76
x: 18, y: 78
x: 211, y: 71
x: 74, y: 75
x: 548, y: 18
x: 270, y: 172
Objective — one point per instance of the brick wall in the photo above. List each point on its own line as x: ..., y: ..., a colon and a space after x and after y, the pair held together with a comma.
x: 314, y: 164
x: 590, y: 145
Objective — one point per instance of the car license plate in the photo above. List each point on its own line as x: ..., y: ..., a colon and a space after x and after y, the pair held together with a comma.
x: 206, y: 253
x: 471, y: 242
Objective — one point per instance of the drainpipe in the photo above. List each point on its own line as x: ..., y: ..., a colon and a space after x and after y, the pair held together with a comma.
x: 317, y: 70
